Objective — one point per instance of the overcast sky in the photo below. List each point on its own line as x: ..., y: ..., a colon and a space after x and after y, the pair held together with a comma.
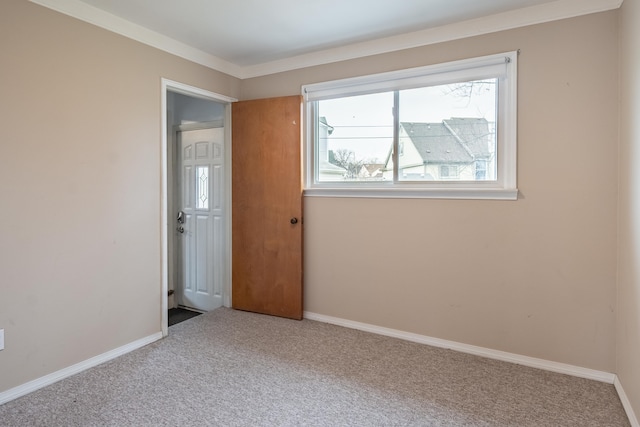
x: 370, y: 119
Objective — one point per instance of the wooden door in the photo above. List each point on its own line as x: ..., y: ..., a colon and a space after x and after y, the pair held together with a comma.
x: 267, y: 206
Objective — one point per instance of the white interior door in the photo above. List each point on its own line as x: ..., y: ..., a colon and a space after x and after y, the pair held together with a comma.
x: 199, y: 219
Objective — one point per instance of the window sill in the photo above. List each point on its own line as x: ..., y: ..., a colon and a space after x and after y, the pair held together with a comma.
x: 415, y: 193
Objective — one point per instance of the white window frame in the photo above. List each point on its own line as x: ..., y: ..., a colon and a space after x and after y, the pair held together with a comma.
x: 502, y: 66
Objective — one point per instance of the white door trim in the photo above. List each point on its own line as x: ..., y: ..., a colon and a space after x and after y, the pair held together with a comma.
x: 173, y: 86
x: 199, y: 125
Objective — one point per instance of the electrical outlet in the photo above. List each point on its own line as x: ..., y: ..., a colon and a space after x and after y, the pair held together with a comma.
x: 1, y: 339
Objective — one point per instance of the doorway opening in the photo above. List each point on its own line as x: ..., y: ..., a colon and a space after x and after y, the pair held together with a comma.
x: 179, y: 315
x: 196, y: 192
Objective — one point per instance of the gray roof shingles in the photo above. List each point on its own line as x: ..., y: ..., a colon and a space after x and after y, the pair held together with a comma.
x: 455, y: 140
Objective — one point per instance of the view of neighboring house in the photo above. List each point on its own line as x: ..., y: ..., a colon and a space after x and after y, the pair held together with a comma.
x: 353, y: 168
x: 371, y: 171
x: 327, y: 170
x: 461, y: 149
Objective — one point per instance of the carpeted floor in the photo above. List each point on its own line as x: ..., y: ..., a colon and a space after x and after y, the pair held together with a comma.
x: 231, y: 368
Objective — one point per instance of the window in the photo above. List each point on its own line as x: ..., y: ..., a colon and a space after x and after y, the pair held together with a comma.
x: 446, y: 130
x: 202, y: 187
x: 449, y: 172
x: 481, y: 170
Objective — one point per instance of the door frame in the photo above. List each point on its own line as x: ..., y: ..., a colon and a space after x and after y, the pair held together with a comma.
x: 166, y: 164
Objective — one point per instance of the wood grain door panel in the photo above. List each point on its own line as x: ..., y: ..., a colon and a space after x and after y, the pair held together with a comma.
x: 266, y: 195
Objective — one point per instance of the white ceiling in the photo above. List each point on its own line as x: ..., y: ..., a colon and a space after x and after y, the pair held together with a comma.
x: 248, y: 32
x: 253, y: 37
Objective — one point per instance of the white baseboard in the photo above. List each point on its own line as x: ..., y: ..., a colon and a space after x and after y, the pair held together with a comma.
x: 533, y: 362
x: 625, y: 403
x: 41, y: 382
x: 562, y: 368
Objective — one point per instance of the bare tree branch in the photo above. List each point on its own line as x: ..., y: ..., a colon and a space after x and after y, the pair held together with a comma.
x: 346, y: 159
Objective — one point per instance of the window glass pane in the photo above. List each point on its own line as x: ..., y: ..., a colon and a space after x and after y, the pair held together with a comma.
x: 202, y: 182
x: 355, y: 137
x: 453, y: 133
x: 447, y: 133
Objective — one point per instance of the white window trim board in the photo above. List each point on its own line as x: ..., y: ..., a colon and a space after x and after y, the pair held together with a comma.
x: 503, y: 65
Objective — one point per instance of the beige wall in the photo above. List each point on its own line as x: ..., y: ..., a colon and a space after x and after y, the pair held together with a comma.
x: 536, y: 276
x: 80, y: 188
x: 628, y: 337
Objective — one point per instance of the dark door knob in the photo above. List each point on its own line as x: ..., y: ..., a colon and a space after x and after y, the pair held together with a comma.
x: 294, y: 220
